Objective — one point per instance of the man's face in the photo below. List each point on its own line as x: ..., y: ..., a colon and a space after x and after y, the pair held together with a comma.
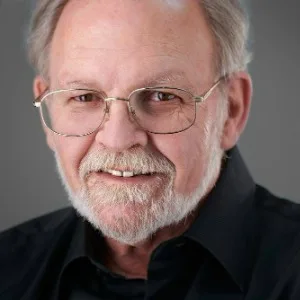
x: 117, y: 46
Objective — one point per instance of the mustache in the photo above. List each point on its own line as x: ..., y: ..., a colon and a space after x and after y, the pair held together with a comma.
x: 137, y: 160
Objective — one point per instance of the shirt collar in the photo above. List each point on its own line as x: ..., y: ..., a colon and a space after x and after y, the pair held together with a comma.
x: 86, y: 242
x: 81, y: 242
x: 224, y: 225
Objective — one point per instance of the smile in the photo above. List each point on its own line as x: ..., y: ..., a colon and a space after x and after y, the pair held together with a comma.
x: 126, y: 173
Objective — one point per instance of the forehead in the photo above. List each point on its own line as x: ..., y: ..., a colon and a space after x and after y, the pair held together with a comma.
x: 173, y: 4
x: 113, y: 35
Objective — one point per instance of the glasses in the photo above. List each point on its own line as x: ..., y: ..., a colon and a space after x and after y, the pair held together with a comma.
x: 158, y: 110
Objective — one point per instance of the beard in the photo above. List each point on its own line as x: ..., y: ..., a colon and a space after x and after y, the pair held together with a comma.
x: 131, y: 213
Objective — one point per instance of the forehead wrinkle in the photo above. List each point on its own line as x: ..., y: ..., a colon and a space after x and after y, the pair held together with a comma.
x: 69, y: 80
x: 166, y: 78
x: 170, y: 78
x: 82, y: 84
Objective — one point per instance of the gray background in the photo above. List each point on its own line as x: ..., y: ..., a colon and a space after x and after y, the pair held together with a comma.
x: 270, y: 144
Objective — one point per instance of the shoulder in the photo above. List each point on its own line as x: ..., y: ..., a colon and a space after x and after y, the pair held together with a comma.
x: 25, y: 247
x: 36, y: 227
x: 276, y: 215
x: 277, y: 220
x: 276, y: 206
x: 277, y: 239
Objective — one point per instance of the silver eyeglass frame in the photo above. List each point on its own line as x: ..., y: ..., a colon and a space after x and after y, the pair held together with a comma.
x: 198, y: 99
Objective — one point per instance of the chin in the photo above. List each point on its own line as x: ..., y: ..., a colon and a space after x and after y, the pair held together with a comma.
x: 131, y: 222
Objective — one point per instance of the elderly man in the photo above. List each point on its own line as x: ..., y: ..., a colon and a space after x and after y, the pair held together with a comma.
x: 142, y: 103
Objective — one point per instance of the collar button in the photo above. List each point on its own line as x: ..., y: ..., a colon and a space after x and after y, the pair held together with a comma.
x: 180, y: 245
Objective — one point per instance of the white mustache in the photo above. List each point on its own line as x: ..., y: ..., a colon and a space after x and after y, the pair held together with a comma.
x: 137, y: 160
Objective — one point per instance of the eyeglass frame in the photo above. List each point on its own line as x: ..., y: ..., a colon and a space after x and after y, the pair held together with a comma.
x: 197, y: 98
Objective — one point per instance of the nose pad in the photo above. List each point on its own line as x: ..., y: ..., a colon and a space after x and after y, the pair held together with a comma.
x: 106, y: 113
x: 131, y: 110
x: 106, y: 110
x: 109, y: 101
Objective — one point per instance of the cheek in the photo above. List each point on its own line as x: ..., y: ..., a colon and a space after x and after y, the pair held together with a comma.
x: 186, y: 151
x: 189, y: 150
x: 70, y: 152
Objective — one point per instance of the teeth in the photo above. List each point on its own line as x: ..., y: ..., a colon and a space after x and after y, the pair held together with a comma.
x: 115, y: 173
x: 125, y: 173
x: 128, y: 174
x: 120, y: 173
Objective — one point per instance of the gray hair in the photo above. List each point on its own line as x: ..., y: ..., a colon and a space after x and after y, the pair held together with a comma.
x: 227, y: 19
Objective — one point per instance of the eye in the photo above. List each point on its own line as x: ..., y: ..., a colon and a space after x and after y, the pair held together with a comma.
x: 162, y: 96
x: 90, y: 97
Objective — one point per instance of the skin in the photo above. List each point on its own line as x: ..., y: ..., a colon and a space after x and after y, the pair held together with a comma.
x: 99, y: 46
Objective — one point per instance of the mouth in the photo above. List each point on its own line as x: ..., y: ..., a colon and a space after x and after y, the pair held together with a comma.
x: 126, y: 173
x: 115, y: 176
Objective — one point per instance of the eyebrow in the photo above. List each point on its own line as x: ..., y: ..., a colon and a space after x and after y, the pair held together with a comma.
x: 167, y: 78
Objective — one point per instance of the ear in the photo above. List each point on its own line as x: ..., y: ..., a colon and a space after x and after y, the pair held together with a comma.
x: 39, y: 87
x: 239, y: 99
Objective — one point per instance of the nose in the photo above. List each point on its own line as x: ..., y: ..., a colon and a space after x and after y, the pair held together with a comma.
x: 119, y: 131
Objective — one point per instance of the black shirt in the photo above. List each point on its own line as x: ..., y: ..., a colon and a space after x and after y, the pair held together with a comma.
x: 245, y: 244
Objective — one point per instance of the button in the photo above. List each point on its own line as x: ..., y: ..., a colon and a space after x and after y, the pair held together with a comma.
x: 179, y: 245
x: 98, y: 271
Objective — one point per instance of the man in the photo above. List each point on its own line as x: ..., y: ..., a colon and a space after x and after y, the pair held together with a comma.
x: 142, y: 103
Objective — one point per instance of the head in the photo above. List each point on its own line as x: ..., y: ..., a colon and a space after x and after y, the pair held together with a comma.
x: 115, y: 47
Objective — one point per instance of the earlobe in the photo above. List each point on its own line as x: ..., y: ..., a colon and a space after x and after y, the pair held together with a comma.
x: 39, y: 87
x: 239, y: 99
